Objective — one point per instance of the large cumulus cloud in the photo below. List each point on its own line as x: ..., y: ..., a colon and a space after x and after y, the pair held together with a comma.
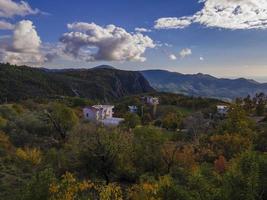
x: 91, y: 42
x: 227, y: 14
x: 23, y: 48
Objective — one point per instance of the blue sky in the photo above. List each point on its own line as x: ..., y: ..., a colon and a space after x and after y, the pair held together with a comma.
x: 194, y: 40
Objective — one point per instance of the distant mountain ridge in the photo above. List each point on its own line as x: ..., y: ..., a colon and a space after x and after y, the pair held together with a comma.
x: 22, y: 82
x: 202, y: 84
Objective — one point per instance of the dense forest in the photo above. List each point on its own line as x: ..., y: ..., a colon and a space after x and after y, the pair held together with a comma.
x: 180, y: 150
x: 22, y: 82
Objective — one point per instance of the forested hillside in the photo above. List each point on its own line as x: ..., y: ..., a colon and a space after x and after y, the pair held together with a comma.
x: 184, y: 150
x: 21, y: 82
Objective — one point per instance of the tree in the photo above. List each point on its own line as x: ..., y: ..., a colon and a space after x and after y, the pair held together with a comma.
x: 146, y: 119
x: 171, y: 121
x: 169, y: 153
x: 220, y: 164
x: 196, y: 125
x: 237, y: 122
x: 147, y: 146
x: 62, y: 118
x: 98, y: 148
x: 230, y: 145
x: 132, y: 120
x: 260, y: 101
x: 33, y: 156
x: 111, y: 191
x: 38, y: 186
x: 248, y: 104
x: 69, y: 188
x: 246, y: 179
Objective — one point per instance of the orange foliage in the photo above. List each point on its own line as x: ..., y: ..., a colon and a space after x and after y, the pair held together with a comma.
x: 220, y: 164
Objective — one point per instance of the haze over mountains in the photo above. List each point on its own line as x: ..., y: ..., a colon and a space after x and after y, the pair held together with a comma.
x: 202, y: 84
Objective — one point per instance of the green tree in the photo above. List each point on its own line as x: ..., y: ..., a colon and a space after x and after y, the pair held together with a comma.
x: 99, y: 149
x: 147, y: 149
x: 62, y: 118
x: 238, y: 122
x: 171, y: 121
x: 246, y: 180
x: 37, y: 187
x: 132, y: 120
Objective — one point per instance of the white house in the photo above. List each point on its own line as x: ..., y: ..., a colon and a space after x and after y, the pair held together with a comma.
x: 133, y: 109
x: 103, y: 114
x: 151, y: 100
x: 222, y: 109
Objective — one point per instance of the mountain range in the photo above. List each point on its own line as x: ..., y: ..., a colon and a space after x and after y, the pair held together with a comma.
x: 101, y: 83
x: 202, y: 84
x: 108, y: 83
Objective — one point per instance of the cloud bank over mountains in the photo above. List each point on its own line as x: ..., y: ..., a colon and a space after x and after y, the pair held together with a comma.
x: 227, y: 14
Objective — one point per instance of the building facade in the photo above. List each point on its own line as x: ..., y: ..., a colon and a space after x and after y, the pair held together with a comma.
x: 102, y: 114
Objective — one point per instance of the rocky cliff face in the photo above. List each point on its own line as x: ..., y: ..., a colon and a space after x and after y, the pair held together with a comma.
x: 22, y: 82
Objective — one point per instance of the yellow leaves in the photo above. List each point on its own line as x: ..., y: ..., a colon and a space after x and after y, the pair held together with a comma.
x: 68, y: 188
x: 111, y: 192
x: 144, y: 191
x: 150, y: 190
x: 54, y: 188
x: 4, y: 141
x: 32, y: 155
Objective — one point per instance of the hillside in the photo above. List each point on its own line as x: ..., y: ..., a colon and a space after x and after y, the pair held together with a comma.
x: 202, y: 84
x: 23, y: 82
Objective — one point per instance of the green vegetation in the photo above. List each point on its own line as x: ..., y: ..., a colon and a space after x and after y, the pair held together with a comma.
x: 185, y: 151
x: 20, y: 83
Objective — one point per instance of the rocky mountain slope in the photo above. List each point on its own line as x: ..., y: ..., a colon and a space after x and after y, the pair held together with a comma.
x: 22, y: 82
x: 202, y: 84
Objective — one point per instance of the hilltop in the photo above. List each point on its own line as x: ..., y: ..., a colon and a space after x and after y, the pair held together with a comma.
x: 22, y: 82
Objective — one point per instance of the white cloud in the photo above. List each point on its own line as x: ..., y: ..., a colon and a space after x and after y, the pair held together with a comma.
x: 6, y: 25
x: 92, y: 42
x: 9, y: 8
x: 228, y: 14
x: 142, y: 30
x: 201, y: 58
x: 172, y: 57
x: 172, y: 22
x: 25, y: 37
x: 185, y: 52
x: 23, y: 48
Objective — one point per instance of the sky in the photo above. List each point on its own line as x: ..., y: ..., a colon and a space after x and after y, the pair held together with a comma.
x: 224, y: 38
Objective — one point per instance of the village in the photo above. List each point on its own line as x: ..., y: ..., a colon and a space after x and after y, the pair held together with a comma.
x: 104, y: 114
